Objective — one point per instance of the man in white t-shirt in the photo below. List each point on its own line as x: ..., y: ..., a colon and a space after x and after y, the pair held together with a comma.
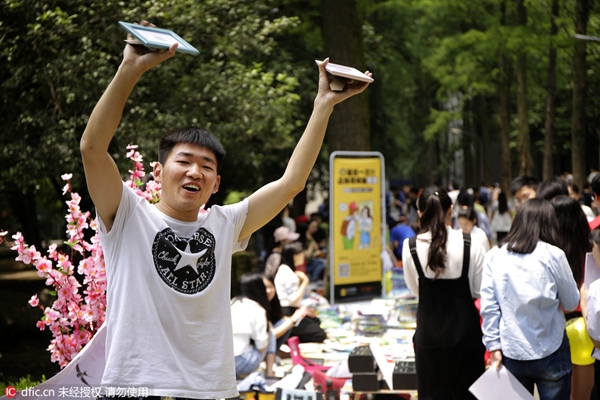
x: 169, y: 266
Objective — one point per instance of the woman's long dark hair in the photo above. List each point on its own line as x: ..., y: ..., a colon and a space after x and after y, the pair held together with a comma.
x: 288, y: 252
x: 252, y: 286
x: 535, y: 220
x: 275, y: 312
x: 574, y: 233
x: 502, y: 203
x: 434, y: 204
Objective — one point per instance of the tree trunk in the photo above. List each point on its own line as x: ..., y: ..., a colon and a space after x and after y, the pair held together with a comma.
x: 484, y: 127
x: 24, y: 209
x: 523, y: 140
x: 504, y: 113
x: 342, y: 36
x: 582, y: 11
x: 551, y: 97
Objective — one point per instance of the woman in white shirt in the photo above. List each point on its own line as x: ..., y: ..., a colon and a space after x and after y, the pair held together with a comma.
x: 291, y: 286
x: 442, y: 266
x: 253, y: 337
x: 526, y: 285
x: 467, y: 222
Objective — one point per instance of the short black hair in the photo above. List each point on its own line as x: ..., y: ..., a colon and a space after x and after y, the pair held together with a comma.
x: 467, y: 212
x: 465, y: 198
x: 521, y: 181
x: 595, y: 185
x: 191, y: 135
x: 550, y: 188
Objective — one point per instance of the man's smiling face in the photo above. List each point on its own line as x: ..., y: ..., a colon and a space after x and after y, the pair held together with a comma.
x: 188, y: 179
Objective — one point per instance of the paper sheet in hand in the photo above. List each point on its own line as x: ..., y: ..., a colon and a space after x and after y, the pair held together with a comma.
x: 592, y: 272
x: 499, y: 385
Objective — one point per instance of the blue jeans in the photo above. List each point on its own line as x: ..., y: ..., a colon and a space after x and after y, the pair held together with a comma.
x: 315, y: 268
x: 551, y: 375
x: 250, y: 361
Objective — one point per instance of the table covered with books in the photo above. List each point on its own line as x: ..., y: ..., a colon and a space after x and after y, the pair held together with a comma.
x: 368, y: 350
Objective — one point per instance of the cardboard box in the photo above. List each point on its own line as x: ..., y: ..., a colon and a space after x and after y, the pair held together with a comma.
x: 405, y: 375
x: 365, y: 382
x: 361, y: 360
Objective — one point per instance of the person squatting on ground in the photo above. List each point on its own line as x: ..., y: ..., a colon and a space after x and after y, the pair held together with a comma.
x: 284, y: 325
x: 442, y: 266
x: 253, y: 336
x: 291, y: 288
x: 168, y: 266
x: 527, y: 282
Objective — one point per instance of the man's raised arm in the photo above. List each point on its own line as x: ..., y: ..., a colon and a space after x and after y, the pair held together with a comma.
x: 268, y: 201
x: 102, y: 176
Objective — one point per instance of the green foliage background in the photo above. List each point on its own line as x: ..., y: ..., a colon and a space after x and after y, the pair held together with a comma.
x: 254, y: 82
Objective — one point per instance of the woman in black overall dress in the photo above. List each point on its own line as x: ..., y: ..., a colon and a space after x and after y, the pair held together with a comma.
x: 449, y: 352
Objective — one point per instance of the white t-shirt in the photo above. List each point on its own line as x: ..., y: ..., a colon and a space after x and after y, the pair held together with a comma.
x: 479, y: 234
x: 286, y: 284
x: 249, y: 321
x: 589, y: 213
x: 593, y: 314
x: 168, y: 299
x: 501, y: 222
x: 454, y: 261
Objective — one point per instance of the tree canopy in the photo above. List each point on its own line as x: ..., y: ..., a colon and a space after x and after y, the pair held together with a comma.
x: 447, y: 78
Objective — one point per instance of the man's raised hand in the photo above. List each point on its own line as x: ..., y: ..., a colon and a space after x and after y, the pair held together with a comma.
x: 142, y: 58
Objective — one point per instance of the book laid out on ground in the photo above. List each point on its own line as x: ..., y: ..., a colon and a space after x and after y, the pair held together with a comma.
x: 592, y: 272
x: 157, y: 38
x: 500, y: 384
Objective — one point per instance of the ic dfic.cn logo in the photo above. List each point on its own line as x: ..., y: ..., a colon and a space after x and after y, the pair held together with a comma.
x: 10, y: 391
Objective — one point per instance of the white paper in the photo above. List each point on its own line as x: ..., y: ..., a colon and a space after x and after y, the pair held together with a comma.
x: 592, y: 272
x: 500, y: 384
x: 385, y: 364
x: 83, y: 372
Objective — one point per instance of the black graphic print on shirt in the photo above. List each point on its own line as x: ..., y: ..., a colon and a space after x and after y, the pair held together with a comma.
x: 186, y: 265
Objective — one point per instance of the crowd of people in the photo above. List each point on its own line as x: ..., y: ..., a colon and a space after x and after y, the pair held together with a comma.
x: 296, y: 257
x: 501, y: 277
x: 171, y: 326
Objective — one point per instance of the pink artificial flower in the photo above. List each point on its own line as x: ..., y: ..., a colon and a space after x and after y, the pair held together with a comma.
x: 43, y: 266
x: 34, y: 301
x: 64, y: 293
x: 51, y: 315
x: 52, y: 253
x: 59, y: 303
x: 41, y: 325
x: 66, y: 177
x: 137, y: 174
x: 82, y: 337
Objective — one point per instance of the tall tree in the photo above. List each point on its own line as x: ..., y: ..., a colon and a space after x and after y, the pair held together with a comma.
x: 582, y: 11
x: 504, y: 109
x: 343, y: 44
x: 551, y: 97
x: 523, y: 139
